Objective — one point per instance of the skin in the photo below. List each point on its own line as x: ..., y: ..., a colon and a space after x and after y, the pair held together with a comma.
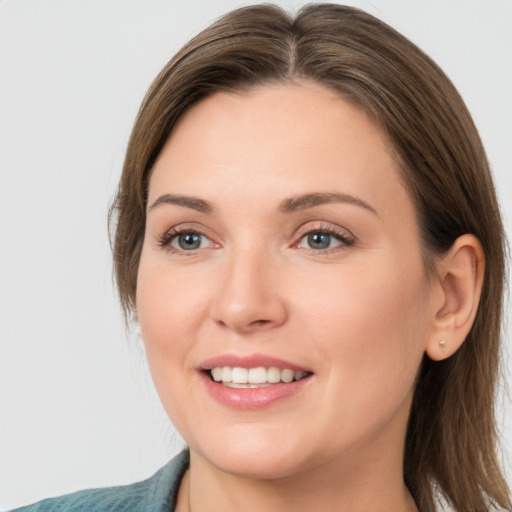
x: 359, y: 315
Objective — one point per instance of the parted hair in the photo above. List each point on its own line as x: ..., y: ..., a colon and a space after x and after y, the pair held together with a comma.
x: 451, y: 442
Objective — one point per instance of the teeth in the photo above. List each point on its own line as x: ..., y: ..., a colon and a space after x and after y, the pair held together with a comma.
x: 217, y: 374
x: 239, y: 375
x: 299, y: 375
x: 257, y: 375
x: 254, y: 377
x: 287, y: 375
x: 227, y: 373
x: 273, y: 375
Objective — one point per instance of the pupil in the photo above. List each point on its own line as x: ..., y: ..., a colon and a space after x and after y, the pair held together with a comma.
x: 189, y: 241
x: 319, y: 240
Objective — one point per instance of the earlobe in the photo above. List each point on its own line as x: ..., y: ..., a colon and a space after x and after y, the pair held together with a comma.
x: 459, y: 280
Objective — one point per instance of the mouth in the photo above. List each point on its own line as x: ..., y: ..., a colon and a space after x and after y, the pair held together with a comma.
x: 253, y: 382
x: 257, y: 377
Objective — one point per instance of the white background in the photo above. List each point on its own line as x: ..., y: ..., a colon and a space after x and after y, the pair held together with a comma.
x: 77, y: 408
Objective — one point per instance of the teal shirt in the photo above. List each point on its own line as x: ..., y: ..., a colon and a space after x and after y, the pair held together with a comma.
x: 156, y: 494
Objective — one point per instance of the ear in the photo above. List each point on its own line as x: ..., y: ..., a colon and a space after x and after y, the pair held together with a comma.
x: 458, y: 286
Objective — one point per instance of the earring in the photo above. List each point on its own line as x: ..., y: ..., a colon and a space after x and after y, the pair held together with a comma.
x: 442, y: 344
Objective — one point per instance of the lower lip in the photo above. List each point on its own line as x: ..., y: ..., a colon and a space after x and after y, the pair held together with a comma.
x: 252, y: 398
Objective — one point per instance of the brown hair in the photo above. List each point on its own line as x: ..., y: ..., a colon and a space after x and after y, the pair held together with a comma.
x: 451, y: 437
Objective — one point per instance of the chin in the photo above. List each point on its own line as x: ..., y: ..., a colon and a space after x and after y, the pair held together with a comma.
x: 253, y: 457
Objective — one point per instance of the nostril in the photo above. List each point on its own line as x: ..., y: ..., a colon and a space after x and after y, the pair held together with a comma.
x: 260, y: 322
x: 259, y: 325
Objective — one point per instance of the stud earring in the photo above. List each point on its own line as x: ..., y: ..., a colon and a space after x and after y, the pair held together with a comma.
x: 442, y: 344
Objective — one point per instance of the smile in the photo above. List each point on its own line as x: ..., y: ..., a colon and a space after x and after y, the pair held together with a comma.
x: 253, y: 381
x: 237, y: 377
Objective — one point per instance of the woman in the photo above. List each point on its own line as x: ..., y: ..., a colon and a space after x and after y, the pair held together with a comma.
x: 308, y: 236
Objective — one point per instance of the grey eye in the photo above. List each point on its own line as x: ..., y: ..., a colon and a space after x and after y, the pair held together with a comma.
x: 188, y: 241
x: 319, y: 240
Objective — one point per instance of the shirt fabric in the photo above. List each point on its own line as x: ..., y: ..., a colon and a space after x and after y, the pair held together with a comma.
x: 156, y: 494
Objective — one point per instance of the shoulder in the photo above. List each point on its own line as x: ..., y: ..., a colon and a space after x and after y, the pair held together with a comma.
x: 157, y: 493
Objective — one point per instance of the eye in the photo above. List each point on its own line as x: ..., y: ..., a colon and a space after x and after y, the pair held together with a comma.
x: 319, y: 240
x: 324, y: 240
x: 186, y: 240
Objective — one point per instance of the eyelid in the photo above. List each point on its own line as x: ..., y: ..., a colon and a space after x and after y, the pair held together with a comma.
x: 344, y: 235
x: 164, y: 240
x: 326, y: 227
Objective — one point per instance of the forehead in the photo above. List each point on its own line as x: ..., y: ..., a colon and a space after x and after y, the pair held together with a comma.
x: 276, y: 138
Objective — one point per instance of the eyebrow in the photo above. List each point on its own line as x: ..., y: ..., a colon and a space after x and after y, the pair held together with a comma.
x: 293, y: 204
x: 307, y: 201
x: 194, y: 203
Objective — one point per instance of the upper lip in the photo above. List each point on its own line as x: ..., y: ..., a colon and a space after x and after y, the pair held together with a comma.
x: 250, y: 361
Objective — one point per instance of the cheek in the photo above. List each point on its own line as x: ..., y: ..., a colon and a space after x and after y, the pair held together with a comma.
x: 370, y: 329
x: 170, y: 313
x: 379, y: 308
x: 169, y: 310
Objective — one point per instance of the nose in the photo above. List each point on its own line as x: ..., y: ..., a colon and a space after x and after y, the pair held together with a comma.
x: 249, y: 297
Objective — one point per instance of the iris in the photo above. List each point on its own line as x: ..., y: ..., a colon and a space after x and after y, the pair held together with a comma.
x: 319, y: 240
x: 189, y: 241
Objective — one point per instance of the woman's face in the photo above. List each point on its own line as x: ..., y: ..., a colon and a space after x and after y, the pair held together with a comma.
x: 281, y: 242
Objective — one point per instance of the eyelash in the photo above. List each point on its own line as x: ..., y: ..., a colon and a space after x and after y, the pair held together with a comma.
x: 346, y: 239
x: 343, y: 236
x: 168, y: 237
